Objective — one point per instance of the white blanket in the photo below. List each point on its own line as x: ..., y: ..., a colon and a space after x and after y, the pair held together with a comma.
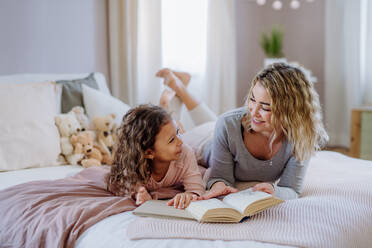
x: 335, y: 210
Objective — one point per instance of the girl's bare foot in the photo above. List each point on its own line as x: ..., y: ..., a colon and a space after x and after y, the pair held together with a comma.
x: 183, y: 76
x: 174, y: 82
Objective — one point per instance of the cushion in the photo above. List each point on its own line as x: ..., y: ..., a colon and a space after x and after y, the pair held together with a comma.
x: 39, y: 77
x: 99, y: 104
x: 72, y: 92
x: 29, y: 137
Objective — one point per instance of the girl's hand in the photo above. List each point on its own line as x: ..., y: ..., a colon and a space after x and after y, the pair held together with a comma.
x: 264, y: 187
x: 182, y: 200
x: 142, y: 195
x: 219, y: 188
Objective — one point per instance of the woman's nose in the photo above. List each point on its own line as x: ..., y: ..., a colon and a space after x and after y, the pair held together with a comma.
x: 254, y: 111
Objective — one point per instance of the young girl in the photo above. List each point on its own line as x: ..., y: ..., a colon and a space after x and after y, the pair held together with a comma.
x: 150, y: 156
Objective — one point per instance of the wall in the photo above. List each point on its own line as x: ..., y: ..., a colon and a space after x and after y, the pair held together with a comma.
x: 53, y: 36
x: 303, y: 39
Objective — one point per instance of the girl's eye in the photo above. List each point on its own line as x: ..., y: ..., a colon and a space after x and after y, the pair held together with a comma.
x: 267, y: 110
x: 171, y: 140
x: 252, y: 99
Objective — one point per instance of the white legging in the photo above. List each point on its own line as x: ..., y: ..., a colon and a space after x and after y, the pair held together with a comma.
x: 205, y: 121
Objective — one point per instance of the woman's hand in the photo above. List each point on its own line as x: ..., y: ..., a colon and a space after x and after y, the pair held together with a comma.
x: 142, y: 195
x: 265, y: 187
x: 182, y: 200
x: 218, y: 188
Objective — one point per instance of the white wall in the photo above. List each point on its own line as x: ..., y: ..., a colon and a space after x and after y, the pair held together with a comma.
x: 304, y: 31
x: 53, y: 36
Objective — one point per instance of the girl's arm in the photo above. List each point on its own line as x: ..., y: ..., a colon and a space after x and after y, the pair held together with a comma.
x: 291, y: 181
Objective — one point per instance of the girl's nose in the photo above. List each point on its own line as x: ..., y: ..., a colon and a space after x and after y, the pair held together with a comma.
x: 179, y: 140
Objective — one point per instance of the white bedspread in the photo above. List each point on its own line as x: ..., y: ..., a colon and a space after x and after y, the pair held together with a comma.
x: 111, y: 232
x: 335, y: 210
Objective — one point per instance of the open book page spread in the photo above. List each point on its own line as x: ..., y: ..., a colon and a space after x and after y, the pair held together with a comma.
x: 242, y: 199
x: 199, y: 208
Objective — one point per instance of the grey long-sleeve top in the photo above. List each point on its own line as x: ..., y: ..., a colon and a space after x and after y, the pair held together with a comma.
x: 230, y: 160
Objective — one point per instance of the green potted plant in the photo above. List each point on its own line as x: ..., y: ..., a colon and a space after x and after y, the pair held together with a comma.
x: 272, y: 45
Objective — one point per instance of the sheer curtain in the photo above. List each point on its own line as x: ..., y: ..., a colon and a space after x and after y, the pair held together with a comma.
x: 347, y: 64
x: 366, y: 51
x: 220, y: 86
x: 199, y: 37
x: 135, y: 49
x: 193, y: 35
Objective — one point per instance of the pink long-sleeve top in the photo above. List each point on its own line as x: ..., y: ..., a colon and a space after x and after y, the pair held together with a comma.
x: 184, y: 170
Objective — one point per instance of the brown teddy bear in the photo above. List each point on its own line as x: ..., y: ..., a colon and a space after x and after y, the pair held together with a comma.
x: 106, y: 127
x: 83, y: 144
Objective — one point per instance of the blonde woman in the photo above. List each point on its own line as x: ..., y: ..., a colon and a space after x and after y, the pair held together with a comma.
x: 270, y: 140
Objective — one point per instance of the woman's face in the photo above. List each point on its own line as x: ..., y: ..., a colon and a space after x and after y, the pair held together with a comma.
x: 259, y: 105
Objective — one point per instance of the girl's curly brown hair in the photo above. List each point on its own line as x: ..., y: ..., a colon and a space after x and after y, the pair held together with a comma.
x: 136, y: 134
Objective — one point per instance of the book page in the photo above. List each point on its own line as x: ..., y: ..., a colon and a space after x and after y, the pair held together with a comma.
x: 159, y: 208
x: 242, y: 199
x: 199, y: 208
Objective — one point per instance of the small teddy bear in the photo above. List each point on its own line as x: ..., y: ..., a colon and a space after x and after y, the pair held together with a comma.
x: 81, y: 117
x: 67, y: 125
x: 83, y: 145
x: 106, y: 135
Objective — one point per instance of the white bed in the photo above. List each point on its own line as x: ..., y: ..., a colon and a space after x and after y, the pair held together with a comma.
x: 112, y: 231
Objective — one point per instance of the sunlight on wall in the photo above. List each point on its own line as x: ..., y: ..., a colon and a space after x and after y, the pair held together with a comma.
x: 184, y: 35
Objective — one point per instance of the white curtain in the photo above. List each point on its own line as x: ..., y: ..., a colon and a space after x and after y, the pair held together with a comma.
x: 347, y: 66
x: 220, y: 81
x: 135, y: 49
x: 136, y: 54
x: 366, y: 52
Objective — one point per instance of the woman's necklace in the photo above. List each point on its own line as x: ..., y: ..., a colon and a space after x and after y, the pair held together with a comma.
x: 257, y: 152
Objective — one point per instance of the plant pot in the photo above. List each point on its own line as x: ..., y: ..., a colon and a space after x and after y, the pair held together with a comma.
x: 269, y: 61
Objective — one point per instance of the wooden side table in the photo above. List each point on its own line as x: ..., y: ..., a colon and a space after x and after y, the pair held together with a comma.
x: 361, y: 133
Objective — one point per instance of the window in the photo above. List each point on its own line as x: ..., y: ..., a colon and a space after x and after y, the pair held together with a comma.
x: 184, y: 32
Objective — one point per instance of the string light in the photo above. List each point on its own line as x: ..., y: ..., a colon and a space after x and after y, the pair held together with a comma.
x: 295, y: 4
x: 278, y: 4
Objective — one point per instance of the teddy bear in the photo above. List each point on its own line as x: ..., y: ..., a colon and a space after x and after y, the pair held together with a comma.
x: 81, y: 117
x: 106, y: 127
x: 83, y: 145
x: 67, y: 125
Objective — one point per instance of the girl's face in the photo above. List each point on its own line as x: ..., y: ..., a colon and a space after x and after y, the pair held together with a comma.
x: 259, y: 106
x: 168, y: 145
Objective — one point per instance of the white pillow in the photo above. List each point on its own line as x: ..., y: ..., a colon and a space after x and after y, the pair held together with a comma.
x: 99, y: 104
x: 28, y: 135
x: 36, y: 78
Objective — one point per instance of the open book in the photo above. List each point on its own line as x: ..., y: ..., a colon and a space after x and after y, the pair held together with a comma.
x: 233, y: 208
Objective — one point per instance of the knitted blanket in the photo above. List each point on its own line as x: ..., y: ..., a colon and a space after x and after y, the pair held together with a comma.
x: 335, y: 210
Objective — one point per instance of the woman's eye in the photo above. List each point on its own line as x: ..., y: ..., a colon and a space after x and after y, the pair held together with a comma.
x: 267, y: 110
x: 252, y: 99
x: 171, y: 140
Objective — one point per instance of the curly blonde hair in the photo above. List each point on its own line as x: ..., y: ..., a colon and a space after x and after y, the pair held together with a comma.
x: 137, y: 133
x: 295, y: 108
